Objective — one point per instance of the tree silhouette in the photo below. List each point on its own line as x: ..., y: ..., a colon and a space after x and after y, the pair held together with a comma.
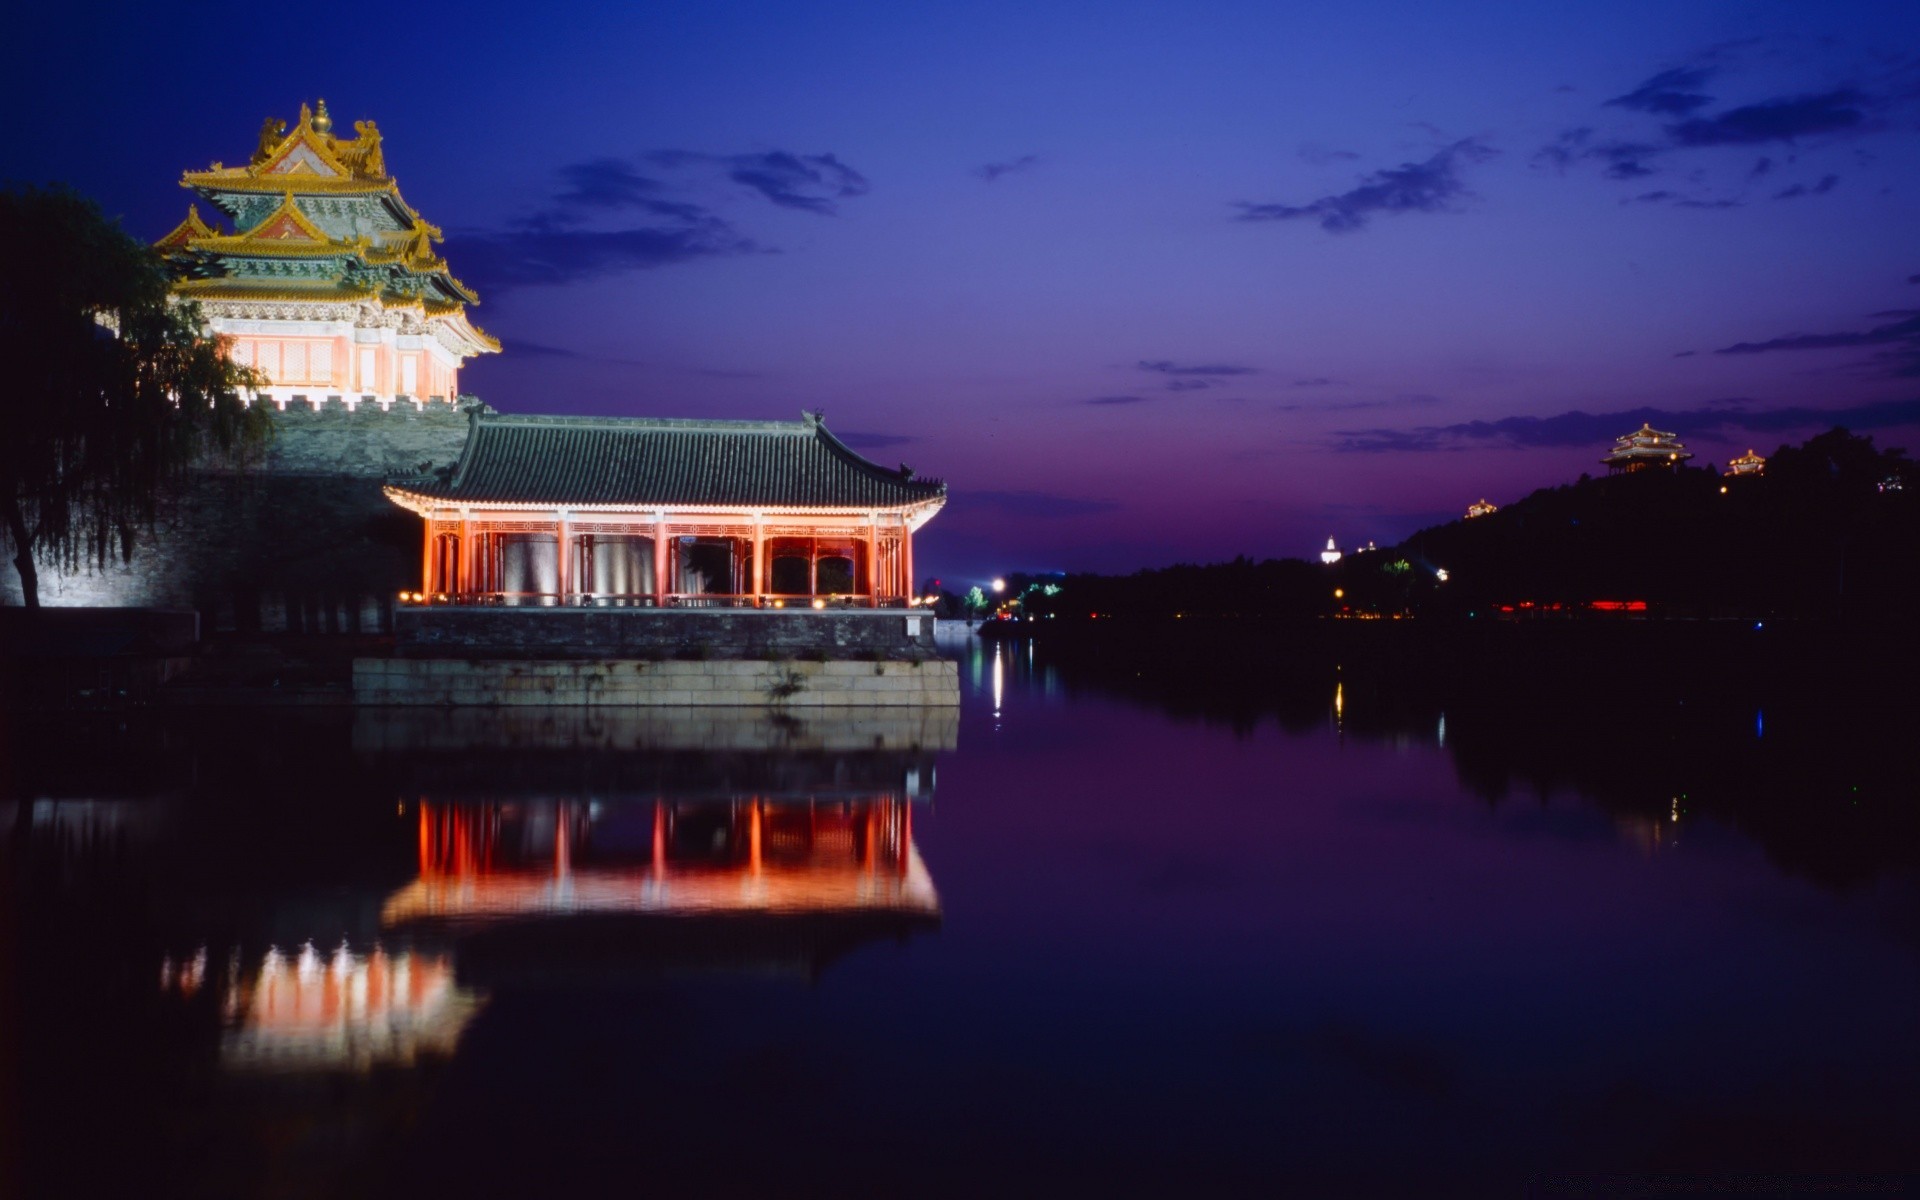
x: 116, y: 390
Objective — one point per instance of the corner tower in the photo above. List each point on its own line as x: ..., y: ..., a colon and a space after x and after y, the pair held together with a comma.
x: 328, y: 283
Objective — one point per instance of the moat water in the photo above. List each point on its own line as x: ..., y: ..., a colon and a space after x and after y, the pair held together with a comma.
x: 1087, y: 936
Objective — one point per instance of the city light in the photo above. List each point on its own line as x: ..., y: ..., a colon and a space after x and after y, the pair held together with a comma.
x: 999, y: 585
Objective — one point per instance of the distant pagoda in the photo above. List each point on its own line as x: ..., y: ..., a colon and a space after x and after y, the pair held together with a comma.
x: 1481, y: 508
x: 1748, y: 464
x: 1646, y: 448
x: 330, y: 285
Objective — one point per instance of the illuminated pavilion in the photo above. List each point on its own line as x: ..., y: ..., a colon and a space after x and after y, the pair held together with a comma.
x: 1646, y: 448
x: 328, y: 284
x: 1748, y: 464
x: 624, y: 512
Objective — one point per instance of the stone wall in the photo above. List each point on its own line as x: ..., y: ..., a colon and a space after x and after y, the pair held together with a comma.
x: 634, y: 682
x: 303, y: 542
x: 661, y: 632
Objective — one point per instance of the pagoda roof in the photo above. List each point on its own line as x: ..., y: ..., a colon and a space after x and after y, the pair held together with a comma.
x: 300, y: 165
x: 191, y: 229
x: 307, y: 159
x: 588, y: 462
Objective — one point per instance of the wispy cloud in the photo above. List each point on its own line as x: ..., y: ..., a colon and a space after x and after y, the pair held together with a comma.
x: 552, y: 254
x: 1168, y: 367
x: 1429, y: 186
x: 1670, y: 93
x: 1826, y: 184
x: 1900, y: 339
x: 1116, y: 401
x: 1680, y: 201
x: 994, y: 170
x: 1599, y: 429
x: 1321, y: 156
x: 1621, y: 159
x: 582, y: 230
x: 809, y: 182
x: 1313, y: 381
x: 1782, y: 120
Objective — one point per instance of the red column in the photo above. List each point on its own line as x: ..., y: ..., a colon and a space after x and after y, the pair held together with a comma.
x: 906, y: 552
x: 462, y: 563
x: 560, y: 560
x: 660, y: 562
x: 426, y: 560
x: 659, y: 840
x: 873, y: 562
x: 759, y: 583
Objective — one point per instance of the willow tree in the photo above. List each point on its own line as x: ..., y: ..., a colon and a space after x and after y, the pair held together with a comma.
x: 114, y: 392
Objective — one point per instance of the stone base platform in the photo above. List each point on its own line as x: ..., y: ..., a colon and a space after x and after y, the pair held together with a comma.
x: 638, y: 682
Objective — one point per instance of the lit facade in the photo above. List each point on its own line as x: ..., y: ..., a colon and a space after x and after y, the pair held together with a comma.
x: 328, y: 284
x: 1331, y: 554
x: 1747, y: 464
x: 1646, y: 448
x: 569, y: 511
x: 1482, y: 508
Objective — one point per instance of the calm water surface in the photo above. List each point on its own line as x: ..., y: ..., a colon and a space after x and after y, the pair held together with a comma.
x: 1076, y: 940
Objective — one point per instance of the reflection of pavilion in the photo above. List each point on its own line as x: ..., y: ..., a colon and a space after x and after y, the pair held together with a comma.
x: 306, y: 1012
x: 667, y: 884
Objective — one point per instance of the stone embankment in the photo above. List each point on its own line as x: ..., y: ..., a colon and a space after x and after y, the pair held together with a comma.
x: 634, y: 682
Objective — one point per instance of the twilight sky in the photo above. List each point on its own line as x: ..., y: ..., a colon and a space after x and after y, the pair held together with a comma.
x: 1144, y: 282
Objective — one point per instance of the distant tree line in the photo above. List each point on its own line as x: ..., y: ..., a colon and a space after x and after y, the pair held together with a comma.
x: 1831, y: 529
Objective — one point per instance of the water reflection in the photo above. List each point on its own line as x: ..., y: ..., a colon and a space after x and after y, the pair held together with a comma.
x: 345, y: 1011
x: 482, y: 864
x: 1556, y: 718
x: 317, y: 897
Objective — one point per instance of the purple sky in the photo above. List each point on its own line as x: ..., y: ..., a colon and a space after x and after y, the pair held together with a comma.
x: 1144, y: 282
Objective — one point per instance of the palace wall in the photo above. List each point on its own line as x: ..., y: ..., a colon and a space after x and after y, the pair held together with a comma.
x: 304, y: 542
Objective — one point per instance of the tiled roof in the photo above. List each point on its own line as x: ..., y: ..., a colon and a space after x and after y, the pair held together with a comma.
x: 649, y: 462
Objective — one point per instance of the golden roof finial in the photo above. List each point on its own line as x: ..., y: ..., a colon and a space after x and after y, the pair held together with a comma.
x: 322, y: 123
x: 306, y: 116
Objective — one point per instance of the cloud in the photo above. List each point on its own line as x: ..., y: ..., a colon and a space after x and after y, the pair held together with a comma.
x: 1431, y: 186
x: 551, y: 253
x: 809, y: 182
x: 1677, y: 200
x: 1114, y: 401
x: 1314, y: 381
x: 1623, y: 159
x: 1906, y: 330
x: 1168, y: 367
x: 608, y: 183
x: 862, y: 440
x: 1774, y: 120
x: 1797, y: 190
x: 1600, y: 429
x: 566, y: 239
x: 1321, y: 156
x: 1899, y: 338
x: 994, y: 170
x: 1913, y: 279
x: 1668, y: 93
x: 1188, y: 385
x: 1037, y: 505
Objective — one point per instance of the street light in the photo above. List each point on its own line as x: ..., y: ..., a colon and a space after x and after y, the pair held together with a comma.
x: 999, y: 585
